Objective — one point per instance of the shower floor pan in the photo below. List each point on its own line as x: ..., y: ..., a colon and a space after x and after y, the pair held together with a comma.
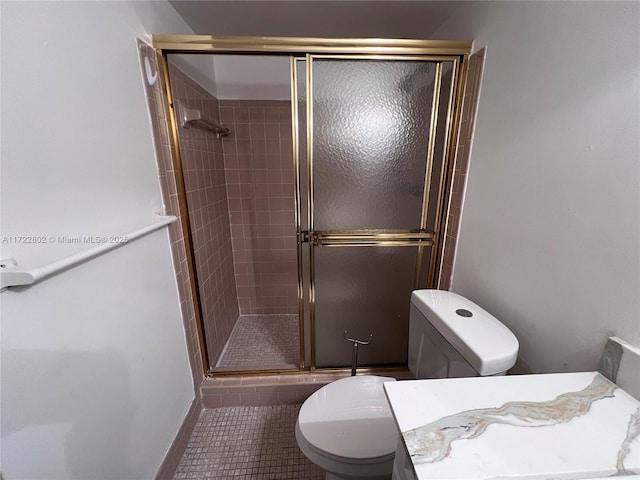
x: 262, y: 341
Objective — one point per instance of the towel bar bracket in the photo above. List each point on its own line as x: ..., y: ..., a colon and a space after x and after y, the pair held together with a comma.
x: 8, y: 263
x: 10, y: 277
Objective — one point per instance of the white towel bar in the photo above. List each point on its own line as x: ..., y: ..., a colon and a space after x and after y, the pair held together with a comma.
x: 11, y: 276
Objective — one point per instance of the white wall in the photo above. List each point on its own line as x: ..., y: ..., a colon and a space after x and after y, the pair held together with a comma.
x: 550, y: 231
x: 95, y: 374
x: 200, y: 68
x: 252, y: 77
x: 238, y: 77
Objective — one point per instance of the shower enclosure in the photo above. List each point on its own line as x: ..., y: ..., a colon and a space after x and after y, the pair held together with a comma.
x: 335, y: 199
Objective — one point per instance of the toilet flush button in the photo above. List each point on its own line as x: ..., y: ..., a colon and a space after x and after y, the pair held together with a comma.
x: 464, y: 313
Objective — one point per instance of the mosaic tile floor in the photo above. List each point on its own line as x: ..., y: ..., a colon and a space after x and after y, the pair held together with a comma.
x: 243, y: 443
x: 263, y: 340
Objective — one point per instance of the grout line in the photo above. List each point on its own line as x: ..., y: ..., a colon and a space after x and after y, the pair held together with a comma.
x: 243, y: 443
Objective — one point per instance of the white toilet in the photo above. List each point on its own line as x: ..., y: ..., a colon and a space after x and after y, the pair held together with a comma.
x: 347, y: 428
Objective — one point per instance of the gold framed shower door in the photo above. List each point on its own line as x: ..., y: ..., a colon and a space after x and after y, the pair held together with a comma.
x: 302, y: 49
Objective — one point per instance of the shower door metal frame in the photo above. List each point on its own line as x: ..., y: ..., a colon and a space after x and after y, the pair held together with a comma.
x: 382, y: 237
x: 298, y: 48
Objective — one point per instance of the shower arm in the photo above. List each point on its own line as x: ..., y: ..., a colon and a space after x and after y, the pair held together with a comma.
x: 354, y: 354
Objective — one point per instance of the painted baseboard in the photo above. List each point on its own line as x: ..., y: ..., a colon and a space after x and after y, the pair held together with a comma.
x: 176, y: 450
x: 520, y: 368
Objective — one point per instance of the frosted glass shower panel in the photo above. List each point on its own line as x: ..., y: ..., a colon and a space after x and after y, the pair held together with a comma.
x: 370, y: 140
x: 364, y: 290
x: 301, y: 88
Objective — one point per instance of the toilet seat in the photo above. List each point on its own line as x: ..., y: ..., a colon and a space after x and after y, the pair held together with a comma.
x: 348, y: 423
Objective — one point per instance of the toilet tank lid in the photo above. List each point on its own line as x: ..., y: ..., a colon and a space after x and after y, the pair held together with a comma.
x: 488, y: 345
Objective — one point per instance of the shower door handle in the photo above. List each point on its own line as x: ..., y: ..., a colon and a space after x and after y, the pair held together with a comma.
x: 371, y: 237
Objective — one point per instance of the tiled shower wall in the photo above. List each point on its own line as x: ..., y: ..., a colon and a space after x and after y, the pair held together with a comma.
x: 205, y: 184
x: 463, y: 155
x: 260, y: 186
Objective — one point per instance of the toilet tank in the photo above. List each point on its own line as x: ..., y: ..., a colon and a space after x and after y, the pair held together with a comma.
x: 450, y: 336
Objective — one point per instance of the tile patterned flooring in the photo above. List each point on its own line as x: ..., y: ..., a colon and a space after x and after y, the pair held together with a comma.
x: 263, y: 340
x: 246, y: 443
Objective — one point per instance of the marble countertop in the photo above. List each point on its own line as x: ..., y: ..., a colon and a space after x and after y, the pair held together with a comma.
x: 552, y: 426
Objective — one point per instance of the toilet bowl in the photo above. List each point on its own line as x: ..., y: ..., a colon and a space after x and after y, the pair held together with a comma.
x: 346, y: 427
